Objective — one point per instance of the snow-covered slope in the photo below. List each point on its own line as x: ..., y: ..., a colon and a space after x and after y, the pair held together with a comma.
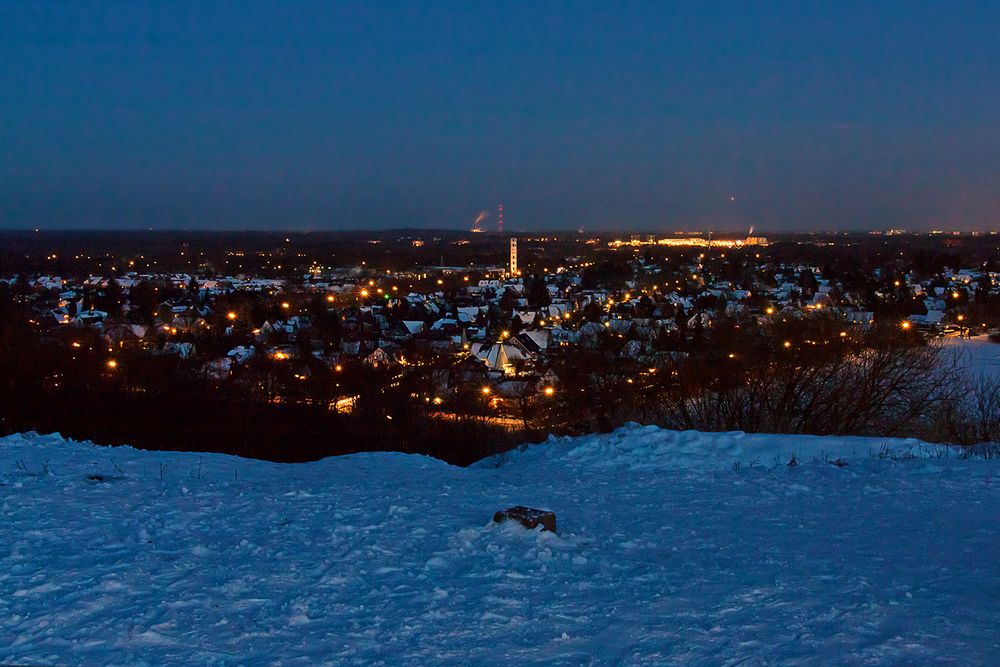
x: 978, y: 355
x: 680, y: 548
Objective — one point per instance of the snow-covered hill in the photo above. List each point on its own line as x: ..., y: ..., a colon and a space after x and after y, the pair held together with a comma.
x: 680, y: 548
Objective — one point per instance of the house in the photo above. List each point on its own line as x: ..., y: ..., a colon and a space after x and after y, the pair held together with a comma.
x: 378, y: 357
x: 499, y: 356
x: 407, y: 329
x: 532, y: 342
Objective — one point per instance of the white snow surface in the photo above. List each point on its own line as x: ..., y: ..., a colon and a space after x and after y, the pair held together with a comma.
x: 673, y: 548
x: 978, y: 355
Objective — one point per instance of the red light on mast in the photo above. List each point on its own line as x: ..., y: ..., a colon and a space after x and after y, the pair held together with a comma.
x: 500, y: 218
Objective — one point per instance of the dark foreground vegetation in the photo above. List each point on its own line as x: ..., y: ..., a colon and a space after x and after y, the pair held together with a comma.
x: 265, y: 411
x: 810, y: 376
x: 203, y: 421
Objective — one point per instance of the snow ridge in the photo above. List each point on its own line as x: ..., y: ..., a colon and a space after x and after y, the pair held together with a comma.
x: 649, y: 447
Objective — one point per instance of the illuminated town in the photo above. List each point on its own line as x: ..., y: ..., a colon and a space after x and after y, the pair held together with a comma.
x: 492, y: 331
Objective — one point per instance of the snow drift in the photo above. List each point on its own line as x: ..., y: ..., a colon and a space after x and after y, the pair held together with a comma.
x: 685, y: 548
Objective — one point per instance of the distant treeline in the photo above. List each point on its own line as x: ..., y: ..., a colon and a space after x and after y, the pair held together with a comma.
x: 289, y: 254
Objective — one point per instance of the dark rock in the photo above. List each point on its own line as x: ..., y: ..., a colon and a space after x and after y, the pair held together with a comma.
x: 101, y: 479
x: 528, y: 517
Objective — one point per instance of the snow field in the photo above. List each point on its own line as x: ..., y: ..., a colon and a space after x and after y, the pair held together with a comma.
x: 674, y: 548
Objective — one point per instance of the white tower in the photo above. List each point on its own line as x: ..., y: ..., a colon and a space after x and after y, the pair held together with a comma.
x: 513, y: 257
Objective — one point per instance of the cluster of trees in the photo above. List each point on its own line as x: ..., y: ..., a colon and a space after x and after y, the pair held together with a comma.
x: 807, y: 376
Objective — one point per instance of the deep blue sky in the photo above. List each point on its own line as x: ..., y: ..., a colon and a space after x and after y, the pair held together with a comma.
x: 607, y: 115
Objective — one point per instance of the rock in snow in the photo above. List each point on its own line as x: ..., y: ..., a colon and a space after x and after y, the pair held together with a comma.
x: 528, y: 517
x: 676, y: 548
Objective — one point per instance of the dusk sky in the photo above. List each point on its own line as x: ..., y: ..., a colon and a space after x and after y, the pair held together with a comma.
x: 379, y: 114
